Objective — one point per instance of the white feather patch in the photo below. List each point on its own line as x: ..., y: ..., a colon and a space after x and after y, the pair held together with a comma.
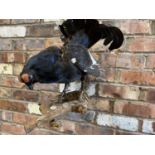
x: 73, y: 60
x: 92, y: 59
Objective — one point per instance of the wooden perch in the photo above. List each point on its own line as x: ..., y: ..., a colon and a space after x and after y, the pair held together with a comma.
x: 57, y: 110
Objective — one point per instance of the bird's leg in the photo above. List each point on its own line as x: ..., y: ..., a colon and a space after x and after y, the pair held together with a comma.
x: 83, y: 95
x: 60, y: 99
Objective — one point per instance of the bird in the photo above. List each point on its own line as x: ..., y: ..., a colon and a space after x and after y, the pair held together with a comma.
x: 73, y: 61
x: 48, y: 67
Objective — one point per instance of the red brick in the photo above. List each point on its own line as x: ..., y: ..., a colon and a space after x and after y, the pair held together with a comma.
x: 108, y: 60
x: 13, y: 105
x: 137, y: 77
x: 150, y: 62
x: 13, y: 129
x: 107, y: 75
x: 131, y: 108
x: 7, y: 116
x: 130, y: 61
x: 150, y: 97
x: 141, y: 44
x: 3, y: 58
x: 19, y: 57
x: 26, y: 95
x: 21, y: 118
x: 117, y: 91
x: 46, y: 30
x: 28, y: 44
x: 135, y: 26
x: 55, y: 41
x: 99, y: 104
x: 10, y: 81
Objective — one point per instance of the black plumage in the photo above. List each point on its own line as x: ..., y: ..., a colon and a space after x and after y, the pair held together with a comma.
x: 73, y: 61
x: 91, y: 32
x: 49, y: 67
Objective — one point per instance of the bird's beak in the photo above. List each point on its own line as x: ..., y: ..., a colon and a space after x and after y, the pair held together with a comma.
x: 30, y: 86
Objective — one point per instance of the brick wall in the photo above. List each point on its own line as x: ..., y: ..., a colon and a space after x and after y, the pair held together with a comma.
x: 122, y: 102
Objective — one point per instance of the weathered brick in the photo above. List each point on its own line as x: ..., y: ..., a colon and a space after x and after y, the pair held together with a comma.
x: 3, y: 58
x: 131, y: 108
x: 34, y: 108
x: 108, y: 74
x: 150, y: 61
x: 23, y: 21
x: 5, y: 92
x: 47, y: 30
x: 48, y: 97
x: 137, y: 77
x: 6, y: 68
x: 135, y: 26
x: 26, y: 95
x: 108, y: 60
x: 4, y: 21
x: 99, y: 104
x: 17, y: 69
x: 12, y: 31
x: 10, y: 81
x: 150, y: 97
x: 87, y: 129
x: 12, y: 128
x: 140, y: 44
x: 121, y: 122
x: 5, y: 44
x: 13, y: 105
x: 46, y: 87
x: 21, y: 118
x: 10, y: 57
x: 7, y: 116
x: 28, y: 44
x: 131, y: 61
x: 117, y: 91
x: 88, y: 116
x: 148, y: 126
x: 55, y: 41
x: 19, y: 57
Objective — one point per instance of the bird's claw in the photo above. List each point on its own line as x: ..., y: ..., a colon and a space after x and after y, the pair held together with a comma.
x: 79, y: 109
x: 54, y: 124
x: 83, y: 96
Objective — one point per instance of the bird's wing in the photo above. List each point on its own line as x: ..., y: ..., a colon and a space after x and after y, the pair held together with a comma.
x: 82, y: 58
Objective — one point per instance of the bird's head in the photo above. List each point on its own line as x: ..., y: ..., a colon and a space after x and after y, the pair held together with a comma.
x: 27, y: 78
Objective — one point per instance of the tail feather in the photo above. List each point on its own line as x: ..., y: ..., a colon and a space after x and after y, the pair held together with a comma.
x: 112, y: 34
x: 94, y: 32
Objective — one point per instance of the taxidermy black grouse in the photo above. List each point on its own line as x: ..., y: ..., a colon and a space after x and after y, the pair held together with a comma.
x: 73, y: 61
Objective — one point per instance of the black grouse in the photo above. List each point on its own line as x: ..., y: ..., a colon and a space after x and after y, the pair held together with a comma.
x: 73, y: 61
